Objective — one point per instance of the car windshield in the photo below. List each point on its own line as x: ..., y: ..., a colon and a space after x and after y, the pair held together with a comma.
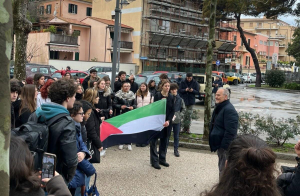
x: 199, y: 79
x: 56, y: 75
x: 230, y: 74
x: 140, y: 79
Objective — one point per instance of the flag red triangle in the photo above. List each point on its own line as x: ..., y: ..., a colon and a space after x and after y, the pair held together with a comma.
x: 107, y: 129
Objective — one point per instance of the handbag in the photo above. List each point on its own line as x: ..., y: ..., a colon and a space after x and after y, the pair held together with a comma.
x: 93, y: 190
x: 95, y: 154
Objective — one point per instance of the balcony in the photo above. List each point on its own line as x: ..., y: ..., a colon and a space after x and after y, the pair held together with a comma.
x: 63, y: 39
x: 125, y: 46
x: 278, y: 37
x: 282, y: 54
x: 281, y: 45
x: 266, y: 28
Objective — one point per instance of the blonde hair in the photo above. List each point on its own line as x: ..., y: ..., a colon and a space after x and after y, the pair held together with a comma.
x: 90, y: 94
x: 99, y: 81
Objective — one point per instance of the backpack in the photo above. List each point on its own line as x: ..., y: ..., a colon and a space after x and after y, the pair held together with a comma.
x: 36, y: 136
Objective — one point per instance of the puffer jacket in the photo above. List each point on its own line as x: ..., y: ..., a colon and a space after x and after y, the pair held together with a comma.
x: 142, y: 101
x: 105, y: 103
x: 93, y: 128
x: 119, y: 102
x: 179, y: 108
x: 62, y: 138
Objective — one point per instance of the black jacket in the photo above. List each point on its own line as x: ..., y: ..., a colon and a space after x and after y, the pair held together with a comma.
x: 104, y: 104
x: 117, y: 85
x: 23, y: 118
x: 223, y: 126
x: 178, y: 81
x: 219, y: 83
x: 93, y: 128
x: 15, y: 106
x: 189, y: 97
x: 88, y: 83
x: 134, y: 87
x: 117, y: 103
x: 293, y: 189
x: 153, y: 91
x: 170, y: 111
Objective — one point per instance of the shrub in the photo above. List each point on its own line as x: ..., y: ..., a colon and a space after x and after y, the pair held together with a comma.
x: 51, y: 29
x: 293, y: 86
x: 246, y: 120
x: 278, y: 130
x: 195, y: 116
x: 275, y: 78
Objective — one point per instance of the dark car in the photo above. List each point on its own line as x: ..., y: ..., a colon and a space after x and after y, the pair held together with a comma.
x: 174, y: 75
x: 100, y: 69
x: 140, y: 78
x: 80, y: 74
x: 32, y: 69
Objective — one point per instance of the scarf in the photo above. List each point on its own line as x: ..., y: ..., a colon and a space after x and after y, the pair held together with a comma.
x: 125, y: 95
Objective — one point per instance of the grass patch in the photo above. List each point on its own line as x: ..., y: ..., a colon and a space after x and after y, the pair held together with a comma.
x: 286, y: 148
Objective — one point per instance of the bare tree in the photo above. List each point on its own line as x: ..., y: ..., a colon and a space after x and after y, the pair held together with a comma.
x: 6, y: 29
x: 33, y: 51
x: 208, y: 70
x: 22, y: 27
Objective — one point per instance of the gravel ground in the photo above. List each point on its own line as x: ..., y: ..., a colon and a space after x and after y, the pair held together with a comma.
x: 123, y: 172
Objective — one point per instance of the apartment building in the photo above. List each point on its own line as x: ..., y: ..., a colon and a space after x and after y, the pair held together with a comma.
x: 280, y: 33
x: 170, y: 34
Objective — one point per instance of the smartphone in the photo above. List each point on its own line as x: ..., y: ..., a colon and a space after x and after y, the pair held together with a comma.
x: 49, y: 165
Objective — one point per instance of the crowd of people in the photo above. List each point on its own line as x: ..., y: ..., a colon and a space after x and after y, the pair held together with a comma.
x: 246, y: 164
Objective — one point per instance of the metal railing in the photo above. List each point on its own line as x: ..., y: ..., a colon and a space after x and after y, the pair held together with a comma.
x: 63, y: 39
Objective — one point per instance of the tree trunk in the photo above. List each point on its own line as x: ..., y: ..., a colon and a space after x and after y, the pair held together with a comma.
x: 6, y: 25
x: 249, y: 49
x: 208, y: 70
x: 22, y: 28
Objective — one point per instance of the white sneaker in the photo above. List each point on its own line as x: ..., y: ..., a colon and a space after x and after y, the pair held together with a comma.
x: 102, y: 153
x: 129, y: 148
x: 120, y: 147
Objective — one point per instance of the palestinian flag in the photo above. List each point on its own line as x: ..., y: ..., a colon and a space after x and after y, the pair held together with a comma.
x: 137, y: 126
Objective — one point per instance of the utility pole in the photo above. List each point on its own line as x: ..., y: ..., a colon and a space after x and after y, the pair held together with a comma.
x: 269, y: 40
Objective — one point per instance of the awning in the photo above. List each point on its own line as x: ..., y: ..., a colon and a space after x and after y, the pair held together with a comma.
x: 64, y: 48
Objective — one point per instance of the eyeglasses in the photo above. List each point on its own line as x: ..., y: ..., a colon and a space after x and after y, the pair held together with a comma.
x: 82, y: 113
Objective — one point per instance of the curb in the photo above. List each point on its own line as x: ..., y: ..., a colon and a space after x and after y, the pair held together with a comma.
x: 283, y: 156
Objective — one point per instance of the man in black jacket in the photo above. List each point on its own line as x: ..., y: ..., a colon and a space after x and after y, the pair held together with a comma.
x: 133, y: 85
x: 223, y: 126
x: 187, y: 91
x: 62, y: 133
x: 88, y: 82
x: 118, y: 84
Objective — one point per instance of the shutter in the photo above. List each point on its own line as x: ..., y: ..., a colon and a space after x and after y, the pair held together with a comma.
x: 75, y: 9
x: 87, y: 11
x: 70, y: 8
x: 50, y: 9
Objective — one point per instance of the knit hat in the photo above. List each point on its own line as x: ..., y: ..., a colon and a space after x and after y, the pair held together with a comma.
x: 86, y: 106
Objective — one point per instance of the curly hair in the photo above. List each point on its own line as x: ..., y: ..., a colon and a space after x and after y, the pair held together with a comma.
x: 44, y: 89
x: 62, y: 89
x: 89, y: 95
x: 249, y: 171
x: 76, y: 107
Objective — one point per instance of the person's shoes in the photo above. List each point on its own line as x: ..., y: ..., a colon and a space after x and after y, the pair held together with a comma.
x: 176, y: 153
x: 164, y: 163
x: 129, y: 147
x: 121, y: 147
x: 156, y: 165
x: 102, y: 153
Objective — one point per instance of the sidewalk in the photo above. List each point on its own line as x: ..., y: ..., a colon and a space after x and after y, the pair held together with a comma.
x: 128, y: 173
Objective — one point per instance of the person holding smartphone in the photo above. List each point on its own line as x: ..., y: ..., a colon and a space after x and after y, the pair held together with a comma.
x: 24, y: 180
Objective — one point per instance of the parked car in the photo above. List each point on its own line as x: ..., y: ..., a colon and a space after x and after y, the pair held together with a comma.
x: 233, y: 78
x: 80, y: 74
x: 249, y: 77
x: 222, y: 74
x: 140, y: 78
x: 160, y: 72
x: 100, y: 69
x: 174, y: 75
x: 201, y: 79
x: 263, y: 76
x: 101, y: 75
x: 241, y: 78
x: 32, y: 69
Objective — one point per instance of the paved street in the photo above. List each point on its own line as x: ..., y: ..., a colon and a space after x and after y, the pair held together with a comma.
x: 280, y: 104
x: 123, y: 173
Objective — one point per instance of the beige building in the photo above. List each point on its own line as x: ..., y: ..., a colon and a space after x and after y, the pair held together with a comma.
x: 169, y: 34
x: 278, y: 31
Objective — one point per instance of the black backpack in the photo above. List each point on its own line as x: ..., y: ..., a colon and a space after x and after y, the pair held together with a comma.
x: 36, y: 136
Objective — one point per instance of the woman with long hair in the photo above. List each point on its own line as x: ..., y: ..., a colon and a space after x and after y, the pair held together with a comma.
x: 39, y: 81
x: 68, y: 75
x: 152, y: 87
x: 124, y: 101
x: 28, y: 103
x: 93, y: 123
x: 24, y: 180
x: 166, y: 132
x: 79, y: 92
x: 42, y: 96
x: 143, y: 96
x: 105, y: 103
x: 249, y: 170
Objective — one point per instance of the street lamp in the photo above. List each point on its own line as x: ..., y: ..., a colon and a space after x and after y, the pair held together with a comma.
x: 116, y: 38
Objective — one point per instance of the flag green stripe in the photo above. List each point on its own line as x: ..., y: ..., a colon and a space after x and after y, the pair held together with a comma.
x: 156, y: 108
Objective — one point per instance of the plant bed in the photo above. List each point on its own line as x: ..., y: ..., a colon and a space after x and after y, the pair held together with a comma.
x: 285, y: 148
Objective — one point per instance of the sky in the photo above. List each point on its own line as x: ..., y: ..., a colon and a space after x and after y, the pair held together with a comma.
x: 286, y: 18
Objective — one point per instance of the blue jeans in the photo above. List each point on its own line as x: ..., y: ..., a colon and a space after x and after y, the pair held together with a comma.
x: 87, y: 183
x: 176, y: 130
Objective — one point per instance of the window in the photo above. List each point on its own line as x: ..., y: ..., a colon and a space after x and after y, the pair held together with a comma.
x: 276, y: 44
x: 156, y: 79
x: 247, y: 60
x: 113, y: 17
x: 251, y: 24
x: 234, y: 38
x: 261, y: 42
x: 72, y: 8
x: 270, y: 43
x: 265, y: 43
x: 81, y: 75
x: 44, y: 70
x: 52, y: 70
x: 33, y: 69
x: 54, y: 54
x: 41, y: 10
x: 259, y: 25
x: 89, y: 11
x: 48, y: 10
x: 249, y: 42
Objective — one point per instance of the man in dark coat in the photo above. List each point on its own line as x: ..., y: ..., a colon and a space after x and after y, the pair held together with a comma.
x: 223, y: 126
x: 133, y: 85
x: 88, y: 82
x: 188, y: 89
x: 118, y: 84
x: 216, y: 84
x: 179, y: 79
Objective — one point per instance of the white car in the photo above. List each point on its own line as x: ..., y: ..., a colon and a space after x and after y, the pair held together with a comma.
x: 249, y: 77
